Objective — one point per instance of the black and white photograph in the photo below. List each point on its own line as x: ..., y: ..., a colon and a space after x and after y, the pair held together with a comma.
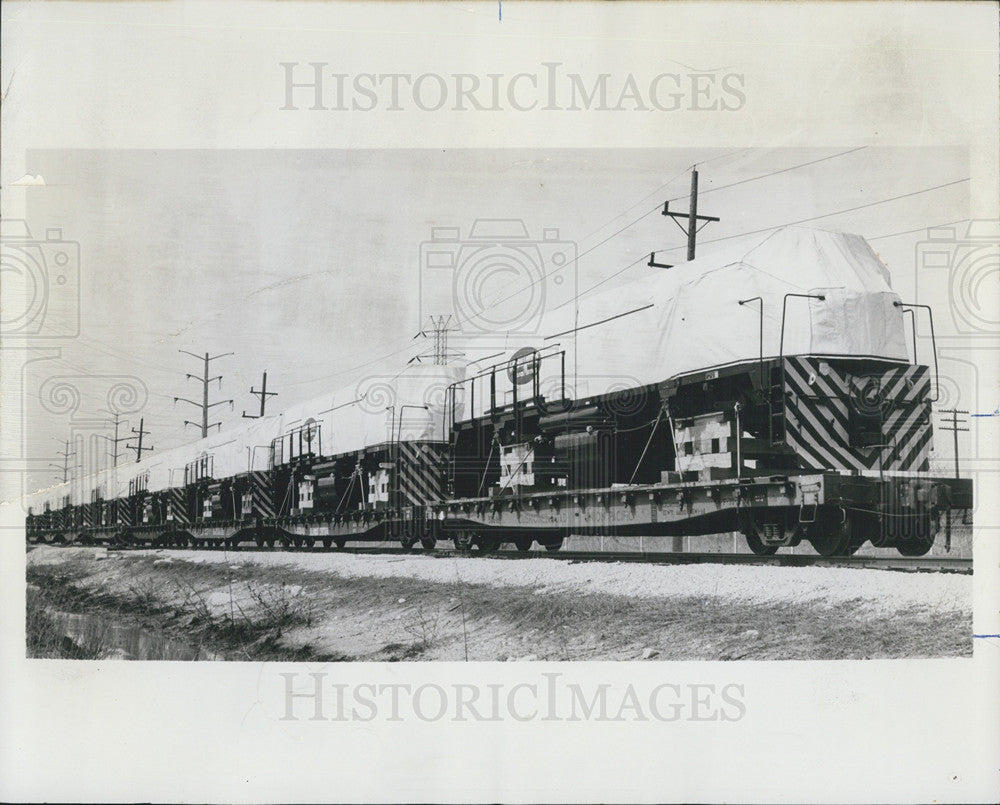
x: 500, y: 402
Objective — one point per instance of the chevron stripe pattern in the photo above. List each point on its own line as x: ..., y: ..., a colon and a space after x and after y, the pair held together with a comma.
x: 177, y: 506
x: 262, y: 495
x: 421, y: 472
x: 821, y: 400
x: 124, y: 512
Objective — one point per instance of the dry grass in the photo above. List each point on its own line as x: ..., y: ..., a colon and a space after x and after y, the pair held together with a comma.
x: 251, y: 611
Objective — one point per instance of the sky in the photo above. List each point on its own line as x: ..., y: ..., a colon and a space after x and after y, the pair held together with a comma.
x: 312, y: 265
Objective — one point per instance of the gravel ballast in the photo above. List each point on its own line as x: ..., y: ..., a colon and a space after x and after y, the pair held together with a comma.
x: 882, y: 591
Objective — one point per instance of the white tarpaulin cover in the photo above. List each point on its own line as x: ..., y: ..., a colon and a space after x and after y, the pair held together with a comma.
x: 688, y: 318
x: 373, y: 411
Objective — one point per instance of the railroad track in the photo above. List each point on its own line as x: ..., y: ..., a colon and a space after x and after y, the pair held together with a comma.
x: 903, y: 564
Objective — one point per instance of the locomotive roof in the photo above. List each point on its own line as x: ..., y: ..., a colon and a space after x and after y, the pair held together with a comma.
x: 687, y: 319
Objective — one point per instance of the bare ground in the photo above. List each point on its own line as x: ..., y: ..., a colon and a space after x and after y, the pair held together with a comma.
x: 246, y: 610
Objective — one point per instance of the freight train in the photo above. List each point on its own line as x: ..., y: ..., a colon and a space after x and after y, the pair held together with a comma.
x: 767, y: 388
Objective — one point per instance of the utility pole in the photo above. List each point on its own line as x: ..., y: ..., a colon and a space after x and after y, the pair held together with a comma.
x: 116, y: 440
x: 139, y: 448
x: 66, y: 454
x: 955, y: 429
x: 204, y: 405
x: 692, y: 217
x: 264, y: 394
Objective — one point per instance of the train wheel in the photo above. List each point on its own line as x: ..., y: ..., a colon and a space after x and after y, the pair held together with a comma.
x: 428, y: 543
x: 756, y: 544
x: 554, y: 545
x: 259, y: 542
x: 753, y: 531
x: 340, y: 543
x: 407, y: 543
x: 327, y: 542
x: 523, y: 544
x: 922, y: 537
x: 487, y: 544
x: 830, y: 536
x: 308, y: 542
x: 463, y: 542
x: 914, y: 547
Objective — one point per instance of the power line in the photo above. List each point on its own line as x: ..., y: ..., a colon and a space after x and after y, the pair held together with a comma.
x: 587, y: 251
x: 778, y: 226
x: 775, y: 173
x: 838, y: 212
x: 913, y: 231
x: 547, y: 274
x: 204, y: 405
x: 664, y: 186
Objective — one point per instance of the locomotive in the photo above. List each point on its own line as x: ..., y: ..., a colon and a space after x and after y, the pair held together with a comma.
x: 767, y: 388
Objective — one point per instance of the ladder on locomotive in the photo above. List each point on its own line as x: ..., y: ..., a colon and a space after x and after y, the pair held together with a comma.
x: 776, y: 404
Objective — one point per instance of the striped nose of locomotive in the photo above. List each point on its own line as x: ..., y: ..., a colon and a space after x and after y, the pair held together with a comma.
x: 177, y: 506
x: 261, y: 495
x: 421, y: 472
x: 862, y: 421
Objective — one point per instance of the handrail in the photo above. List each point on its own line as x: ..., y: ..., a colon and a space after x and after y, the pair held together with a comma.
x: 781, y: 349
x: 913, y: 332
x: 930, y: 317
x: 760, y: 340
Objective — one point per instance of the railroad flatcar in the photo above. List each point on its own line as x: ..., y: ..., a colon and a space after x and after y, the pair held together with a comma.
x: 347, y: 458
x: 769, y: 387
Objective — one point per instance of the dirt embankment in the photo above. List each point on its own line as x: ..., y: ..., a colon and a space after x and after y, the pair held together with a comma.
x: 383, y: 608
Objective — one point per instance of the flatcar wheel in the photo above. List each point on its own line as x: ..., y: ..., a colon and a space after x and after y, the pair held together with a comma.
x: 924, y: 531
x: 487, y: 544
x: 751, y: 530
x: 340, y: 543
x: 554, y: 545
x: 308, y: 542
x: 428, y: 543
x: 327, y: 542
x: 913, y: 547
x: 830, y: 537
x: 407, y: 543
x: 523, y: 544
x: 259, y: 542
x: 756, y: 544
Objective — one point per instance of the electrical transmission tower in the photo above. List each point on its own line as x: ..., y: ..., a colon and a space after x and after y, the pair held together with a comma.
x: 955, y: 428
x: 204, y: 405
x: 139, y: 448
x: 264, y: 394
x: 692, y: 217
x: 439, y: 329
